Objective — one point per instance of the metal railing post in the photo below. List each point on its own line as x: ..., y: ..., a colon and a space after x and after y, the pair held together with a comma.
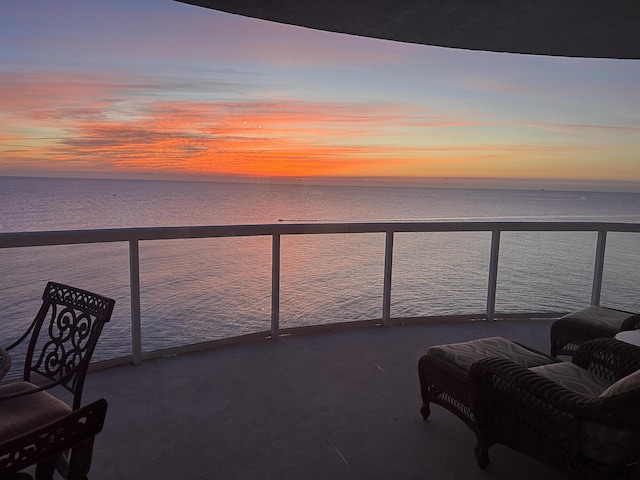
x: 598, y: 268
x: 134, y: 283
x: 275, y: 286
x: 493, y: 275
x: 386, y: 292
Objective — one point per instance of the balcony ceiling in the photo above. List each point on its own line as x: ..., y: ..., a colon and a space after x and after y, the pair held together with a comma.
x: 572, y: 28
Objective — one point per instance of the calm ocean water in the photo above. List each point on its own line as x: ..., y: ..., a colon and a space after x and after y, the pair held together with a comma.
x: 197, y: 290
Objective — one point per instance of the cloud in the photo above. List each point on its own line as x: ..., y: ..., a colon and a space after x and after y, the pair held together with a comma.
x: 575, y: 127
x: 109, y: 123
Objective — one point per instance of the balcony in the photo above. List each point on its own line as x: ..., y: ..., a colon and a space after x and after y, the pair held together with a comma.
x: 338, y: 405
x: 335, y: 400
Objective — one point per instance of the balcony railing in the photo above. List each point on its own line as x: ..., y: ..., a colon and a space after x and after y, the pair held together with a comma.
x: 133, y: 236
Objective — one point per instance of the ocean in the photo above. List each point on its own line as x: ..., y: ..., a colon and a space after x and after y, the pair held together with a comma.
x: 205, y: 289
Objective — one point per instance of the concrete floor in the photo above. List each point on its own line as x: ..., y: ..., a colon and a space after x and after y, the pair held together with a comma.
x: 341, y: 405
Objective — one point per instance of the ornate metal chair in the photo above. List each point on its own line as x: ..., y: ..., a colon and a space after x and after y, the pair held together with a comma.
x: 572, y: 330
x: 579, y: 417
x: 62, y: 338
x: 73, y: 433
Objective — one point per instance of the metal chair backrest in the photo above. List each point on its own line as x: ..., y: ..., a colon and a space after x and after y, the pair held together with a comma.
x: 64, y: 335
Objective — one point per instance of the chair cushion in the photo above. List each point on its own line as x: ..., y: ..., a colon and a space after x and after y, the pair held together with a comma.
x: 624, y: 384
x: 23, y: 414
x: 600, y: 316
x: 573, y: 377
x: 465, y: 354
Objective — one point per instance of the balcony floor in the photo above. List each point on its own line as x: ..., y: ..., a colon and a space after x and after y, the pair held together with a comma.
x: 339, y: 405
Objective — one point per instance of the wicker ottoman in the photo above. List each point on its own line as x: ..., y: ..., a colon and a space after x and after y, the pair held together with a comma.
x: 444, y: 372
x: 572, y: 330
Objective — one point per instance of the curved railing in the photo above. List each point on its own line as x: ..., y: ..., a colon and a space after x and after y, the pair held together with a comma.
x: 134, y: 235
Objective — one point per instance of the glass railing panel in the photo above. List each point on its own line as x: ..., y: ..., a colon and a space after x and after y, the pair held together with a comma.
x: 443, y: 273
x: 621, y: 279
x: 331, y: 278
x: 545, y: 271
x: 102, y: 268
x: 196, y: 290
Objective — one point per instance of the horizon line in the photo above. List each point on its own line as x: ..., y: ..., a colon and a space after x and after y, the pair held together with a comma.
x: 363, y: 181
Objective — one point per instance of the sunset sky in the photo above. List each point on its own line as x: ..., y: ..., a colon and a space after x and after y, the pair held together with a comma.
x: 160, y: 89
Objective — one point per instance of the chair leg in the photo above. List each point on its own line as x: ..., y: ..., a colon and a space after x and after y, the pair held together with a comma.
x: 62, y: 464
x: 425, y: 410
x: 45, y: 469
x: 482, y: 456
x: 80, y: 460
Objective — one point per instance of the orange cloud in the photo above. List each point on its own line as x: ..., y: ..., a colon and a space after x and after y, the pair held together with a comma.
x: 97, y: 123
x: 90, y: 123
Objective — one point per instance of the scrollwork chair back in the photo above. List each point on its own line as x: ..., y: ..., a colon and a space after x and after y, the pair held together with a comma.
x: 64, y: 334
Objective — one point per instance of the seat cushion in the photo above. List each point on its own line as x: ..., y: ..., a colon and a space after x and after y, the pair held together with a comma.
x: 23, y: 414
x: 465, y: 354
x: 623, y: 385
x: 573, y: 377
x: 600, y: 316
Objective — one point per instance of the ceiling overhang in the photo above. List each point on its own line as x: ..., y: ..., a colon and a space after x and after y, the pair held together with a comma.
x: 571, y: 28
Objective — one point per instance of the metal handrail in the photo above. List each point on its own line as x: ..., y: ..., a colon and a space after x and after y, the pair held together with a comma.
x: 134, y: 235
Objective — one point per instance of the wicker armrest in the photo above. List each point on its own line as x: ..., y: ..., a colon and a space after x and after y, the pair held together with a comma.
x: 608, y: 358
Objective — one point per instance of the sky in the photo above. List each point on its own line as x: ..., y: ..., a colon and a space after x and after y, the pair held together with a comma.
x: 161, y: 89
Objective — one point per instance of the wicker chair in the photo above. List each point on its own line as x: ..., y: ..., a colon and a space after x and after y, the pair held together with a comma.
x: 582, y: 435
x: 62, y: 338
x: 572, y: 330
x: 74, y: 433
x: 444, y: 372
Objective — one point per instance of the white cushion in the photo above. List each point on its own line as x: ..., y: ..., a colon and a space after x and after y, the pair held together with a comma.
x: 624, y: 384
x: 573, y: 377
x: 465, y: 354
